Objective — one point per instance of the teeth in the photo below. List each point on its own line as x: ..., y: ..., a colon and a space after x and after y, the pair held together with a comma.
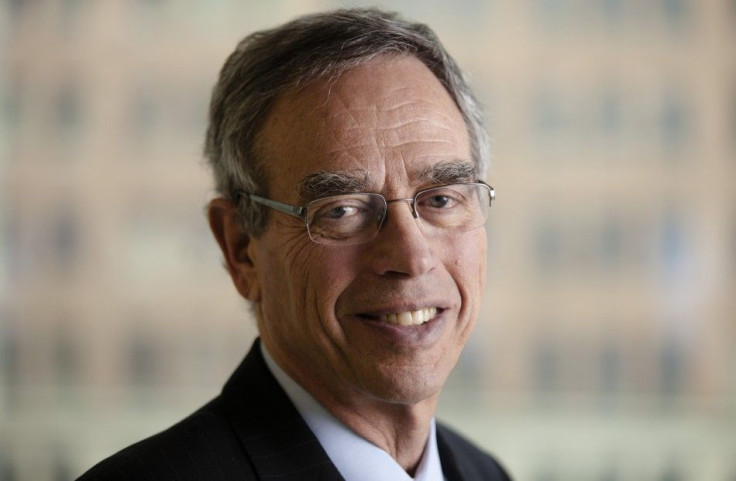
x: 410, y: 318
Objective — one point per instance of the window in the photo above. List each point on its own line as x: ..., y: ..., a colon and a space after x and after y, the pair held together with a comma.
x: 163, y: 244
x: 60, y: 467
x: 16, y: 9
x: 672, y: 473
x: 191, y: 111
x: 610, y: 114
x: 732, y: 119
x: 612, y: 10
x: 611, y: 243
x: 546, y: 472
x: 66, y: 355
x: 10, y: 244
x: 672, y: 371
x: 674, y: 123
x: 7, y: 469
x: 145, y: 114
x: 10, y: 118
x: 610, y: 372
x: 9, y: 351
x: 548, y: 116
x: 142, y: 359
x: 67, y: 120
x: 547, y: 246
x: 673, y: 247
x: 552, y: 12
x: 70, y: 10
x: 546, y: 364
x: 733, y: 246
x: 469, y: 368
x: 609, y: 473
x: 67, y: 109
x: 676, y: 13
x: 64, y: 238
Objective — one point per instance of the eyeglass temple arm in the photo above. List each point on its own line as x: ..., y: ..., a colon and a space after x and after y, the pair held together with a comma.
x: 294, y: 210
x: 490, y: 188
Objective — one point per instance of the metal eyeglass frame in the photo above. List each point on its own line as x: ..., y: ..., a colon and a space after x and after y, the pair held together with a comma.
x: 301, y: 211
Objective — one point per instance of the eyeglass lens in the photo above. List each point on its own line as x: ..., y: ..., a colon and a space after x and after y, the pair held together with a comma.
x: 356, y: 218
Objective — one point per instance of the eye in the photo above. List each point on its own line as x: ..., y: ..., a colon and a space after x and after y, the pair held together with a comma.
x: 439, y: 201
x: 340, y: 211
x: 443, y: 198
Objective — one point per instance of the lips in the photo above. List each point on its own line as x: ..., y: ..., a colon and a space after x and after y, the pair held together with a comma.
x: 410, y: 318
x: 407, y: 318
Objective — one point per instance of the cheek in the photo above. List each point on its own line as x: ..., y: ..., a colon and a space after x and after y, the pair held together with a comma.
x: 283, y: 272
x: 470, y: 265
x: 317, y: 275
x: 333, y: 271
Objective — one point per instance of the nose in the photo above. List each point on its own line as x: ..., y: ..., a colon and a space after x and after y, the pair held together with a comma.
x: 400, y: 247
x: 410, y: 201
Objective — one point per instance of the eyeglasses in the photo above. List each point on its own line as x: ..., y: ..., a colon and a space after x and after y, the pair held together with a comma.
x: 352, y: 219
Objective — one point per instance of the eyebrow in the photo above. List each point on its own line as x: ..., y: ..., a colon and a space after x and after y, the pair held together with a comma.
x: 325, y: 183
x: 449, y: 173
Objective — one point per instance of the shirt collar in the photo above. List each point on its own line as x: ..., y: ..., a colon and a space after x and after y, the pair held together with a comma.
x: 349, y: 452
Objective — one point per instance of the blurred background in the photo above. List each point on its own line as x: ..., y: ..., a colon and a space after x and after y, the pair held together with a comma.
x: 606, y: 349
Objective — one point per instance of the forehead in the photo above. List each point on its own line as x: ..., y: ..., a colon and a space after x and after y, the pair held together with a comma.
x: 387, y: 119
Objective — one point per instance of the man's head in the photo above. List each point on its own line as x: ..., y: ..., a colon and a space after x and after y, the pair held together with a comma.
x: 378, y: 119
x: 269, y: 63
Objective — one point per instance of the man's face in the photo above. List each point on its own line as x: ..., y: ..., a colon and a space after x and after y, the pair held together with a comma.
x: 325, y: 312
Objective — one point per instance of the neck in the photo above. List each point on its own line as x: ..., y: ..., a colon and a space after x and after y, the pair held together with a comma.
x: 399, y: 428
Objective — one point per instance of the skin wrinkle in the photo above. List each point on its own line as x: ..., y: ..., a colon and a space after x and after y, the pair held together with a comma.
x: 396, y: 109
x: 410, y: 122
x: 394, y: 129
x: 324, y: 184
x: 346, y: 145
x: 418, y: 101
x: 381, y: 385
x: 398, y: 92
x: 346, y: 110
x: 357, y: 153
x: 355, y: 124
x: 415, y: 117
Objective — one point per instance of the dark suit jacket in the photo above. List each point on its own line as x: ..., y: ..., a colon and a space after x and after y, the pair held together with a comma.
x: 252, y: 431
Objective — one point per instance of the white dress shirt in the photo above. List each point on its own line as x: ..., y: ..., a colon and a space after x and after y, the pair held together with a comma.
x: 354, y: 457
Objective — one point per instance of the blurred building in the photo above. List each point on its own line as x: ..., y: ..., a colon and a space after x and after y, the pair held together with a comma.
x: 606, y: 349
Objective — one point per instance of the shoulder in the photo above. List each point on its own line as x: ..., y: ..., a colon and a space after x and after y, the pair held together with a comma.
x: 201, y: 447
x: 470, y: 462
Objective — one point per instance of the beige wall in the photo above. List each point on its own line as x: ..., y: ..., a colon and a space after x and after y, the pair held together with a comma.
x: 607, y: 344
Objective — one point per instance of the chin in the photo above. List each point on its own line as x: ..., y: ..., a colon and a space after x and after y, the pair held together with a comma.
x: 408, y: 388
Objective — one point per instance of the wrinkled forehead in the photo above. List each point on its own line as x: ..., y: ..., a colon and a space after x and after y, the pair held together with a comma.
x: 389, y: 116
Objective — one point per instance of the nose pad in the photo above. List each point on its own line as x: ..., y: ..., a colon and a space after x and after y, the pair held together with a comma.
x: 403, y: 249
x: 412, y: 209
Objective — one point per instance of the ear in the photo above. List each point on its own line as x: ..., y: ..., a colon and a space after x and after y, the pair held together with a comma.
x: 237, y: 247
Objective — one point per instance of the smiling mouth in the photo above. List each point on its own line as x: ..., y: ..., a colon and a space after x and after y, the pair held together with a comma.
x: 409, y: 318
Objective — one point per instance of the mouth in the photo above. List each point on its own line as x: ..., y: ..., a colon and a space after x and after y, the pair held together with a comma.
x: 406, y: 318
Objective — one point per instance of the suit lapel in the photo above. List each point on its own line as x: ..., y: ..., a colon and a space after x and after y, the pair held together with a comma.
x: 276, y: 439
x: 451, y: 468
x: 461, y: 461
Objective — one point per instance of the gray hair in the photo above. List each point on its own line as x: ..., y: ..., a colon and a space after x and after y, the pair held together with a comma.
x: 268, y: 63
